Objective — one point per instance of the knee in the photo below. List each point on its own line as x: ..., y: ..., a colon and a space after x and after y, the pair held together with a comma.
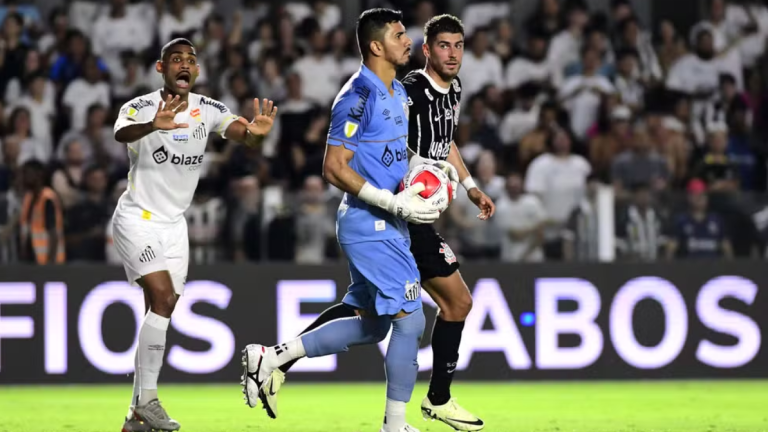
x: 413, y: 323
x: 457, y: 309
x: 164, y: 304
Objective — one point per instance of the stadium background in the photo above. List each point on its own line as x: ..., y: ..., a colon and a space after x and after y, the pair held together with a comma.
x: 626, y: 289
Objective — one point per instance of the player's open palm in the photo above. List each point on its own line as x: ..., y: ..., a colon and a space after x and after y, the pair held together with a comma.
x: 263, y: 117
x: 166, y: 112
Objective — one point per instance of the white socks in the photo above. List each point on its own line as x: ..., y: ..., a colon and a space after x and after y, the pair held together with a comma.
x: 290, y: 350
x: 149, y: 359
x: 394, y: 416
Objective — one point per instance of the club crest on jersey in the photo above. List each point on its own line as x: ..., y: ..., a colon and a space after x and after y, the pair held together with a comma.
x: 447, y: 252
x: 412, y: 290
x: 350, y: 129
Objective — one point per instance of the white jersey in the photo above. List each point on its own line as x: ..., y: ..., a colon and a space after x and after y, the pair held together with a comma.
x: 165, y: 165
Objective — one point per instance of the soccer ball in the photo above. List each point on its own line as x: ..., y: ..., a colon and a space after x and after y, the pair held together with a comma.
x: 437, y: 193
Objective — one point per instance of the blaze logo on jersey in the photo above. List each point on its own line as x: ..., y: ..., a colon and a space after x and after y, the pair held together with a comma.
x: 447, y: 252
x: 218, y: 105
x: 387, y: 158
x: 160, y: 155
x: 350, y: 129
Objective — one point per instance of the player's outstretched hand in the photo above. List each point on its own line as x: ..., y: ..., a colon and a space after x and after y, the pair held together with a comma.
x: 263, y: 117
x: 406, y: 206
x: 166, y: 113
x: 483, y: 202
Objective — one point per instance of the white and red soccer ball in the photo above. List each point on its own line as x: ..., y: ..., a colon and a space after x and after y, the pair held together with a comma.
x: 437, y: 193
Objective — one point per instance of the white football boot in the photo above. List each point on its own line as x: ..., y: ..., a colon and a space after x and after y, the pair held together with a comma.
x: 259, y: 362
x: 451, y: 414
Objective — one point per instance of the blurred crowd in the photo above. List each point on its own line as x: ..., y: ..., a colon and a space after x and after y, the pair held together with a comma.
x: 555, y: 110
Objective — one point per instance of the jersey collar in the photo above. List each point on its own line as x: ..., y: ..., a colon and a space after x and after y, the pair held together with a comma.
x: 435, y: 86
x: 364, y: 71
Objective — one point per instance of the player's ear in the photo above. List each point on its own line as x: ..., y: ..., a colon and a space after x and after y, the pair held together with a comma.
x: 159, y: 66
x: 377, y: 48
x: 425, y: 49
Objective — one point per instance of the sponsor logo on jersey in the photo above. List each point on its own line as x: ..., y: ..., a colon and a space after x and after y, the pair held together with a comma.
x: 350, y: 129
x: 456, y: 110
x: 386, y: 114
x: 210, y: 102
x: 429, y: 95
x: 456, y: 86
x: 138, y: 105
x: 195, y: 114
x: 388, y: 157
x: 162, y: 155
x: 181, y: 137
x: 412, y: 290
x: 200, y: 132
x: 356, y: 112
x: 399, y: 121
x: 406, y: 106
x: 447, y: 252
x: 439, y: 150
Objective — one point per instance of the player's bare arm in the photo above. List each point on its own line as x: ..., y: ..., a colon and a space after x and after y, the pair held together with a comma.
x: 163, y: 120
x: 252, y: 133
x: 336, y: 170
x: 481, y: 200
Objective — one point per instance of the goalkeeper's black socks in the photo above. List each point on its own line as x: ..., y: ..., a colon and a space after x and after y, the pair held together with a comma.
x: 446, y: 338
x: 332, y: 313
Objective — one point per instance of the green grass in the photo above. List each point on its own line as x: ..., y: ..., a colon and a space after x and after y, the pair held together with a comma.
x: 690, y: 406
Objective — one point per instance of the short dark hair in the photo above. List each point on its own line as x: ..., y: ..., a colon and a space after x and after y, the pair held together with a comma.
x: 445, y: 23
x: 371, y: 25
x: 171, y: 44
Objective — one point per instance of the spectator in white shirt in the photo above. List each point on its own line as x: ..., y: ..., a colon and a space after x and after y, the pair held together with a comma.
x: 346, y: 58
x: 559, y: 180
x: 84, y: 92
x: 581, y: 95
x: 631, y: 90
x: 133, y: 79
x: 180, y: 20
x: 21, y: 134
x: 521, y: 218
x: 632, y: 36
x: 480, y: 67
x: 531, y: 67
x: 41, y: 106
x: 319, y: 71
x: 565, y: 47
x: 19, y: 86
x: 118, y: 31
x: 524, y: 118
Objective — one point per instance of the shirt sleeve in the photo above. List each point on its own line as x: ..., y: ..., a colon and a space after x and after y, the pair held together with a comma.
x: 130, y: 113
x: 350, y: 116
x: 535, y: 180
x: 222, y: 117
x: 419, y: 130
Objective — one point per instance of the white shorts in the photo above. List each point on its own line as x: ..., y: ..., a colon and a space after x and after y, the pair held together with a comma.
x: 146, y: 247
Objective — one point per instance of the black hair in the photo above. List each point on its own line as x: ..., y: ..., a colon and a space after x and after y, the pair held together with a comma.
x: 15, y: 16
x: 442, y: 24
x: 34, y: 165
x: 627, y: 52
x: 727, y: 78
x: 177, y: 41
x: 371, y: 26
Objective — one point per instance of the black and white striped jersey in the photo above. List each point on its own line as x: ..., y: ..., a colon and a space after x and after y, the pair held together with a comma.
x: 433, y: 115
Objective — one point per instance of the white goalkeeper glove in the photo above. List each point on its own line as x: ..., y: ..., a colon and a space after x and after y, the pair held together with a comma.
x: 453, y: 175
x: 404, y: 205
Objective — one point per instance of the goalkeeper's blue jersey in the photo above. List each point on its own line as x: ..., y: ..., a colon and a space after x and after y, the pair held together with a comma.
x: 369, y: 121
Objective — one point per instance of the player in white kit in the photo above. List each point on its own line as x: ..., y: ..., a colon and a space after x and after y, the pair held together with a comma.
x: 166, y: 133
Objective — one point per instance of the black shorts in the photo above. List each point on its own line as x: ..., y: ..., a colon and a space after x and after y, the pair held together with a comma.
x: 434, y: 258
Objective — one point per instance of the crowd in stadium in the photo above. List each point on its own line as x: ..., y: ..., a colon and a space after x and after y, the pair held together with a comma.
x: 675, y: 121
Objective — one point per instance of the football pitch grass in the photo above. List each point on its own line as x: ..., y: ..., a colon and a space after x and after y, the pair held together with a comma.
x: 649, y: 406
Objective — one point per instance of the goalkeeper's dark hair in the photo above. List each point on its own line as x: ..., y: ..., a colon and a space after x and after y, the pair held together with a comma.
x: 445, y: 23
x: 171, y: 44
x: 371, y: 26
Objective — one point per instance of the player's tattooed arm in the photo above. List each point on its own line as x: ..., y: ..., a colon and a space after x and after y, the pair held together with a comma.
x: 252, y: 133
x: 163, y: 120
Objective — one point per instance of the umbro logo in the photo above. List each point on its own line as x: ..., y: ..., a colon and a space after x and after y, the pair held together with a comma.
x: 147, y: 256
